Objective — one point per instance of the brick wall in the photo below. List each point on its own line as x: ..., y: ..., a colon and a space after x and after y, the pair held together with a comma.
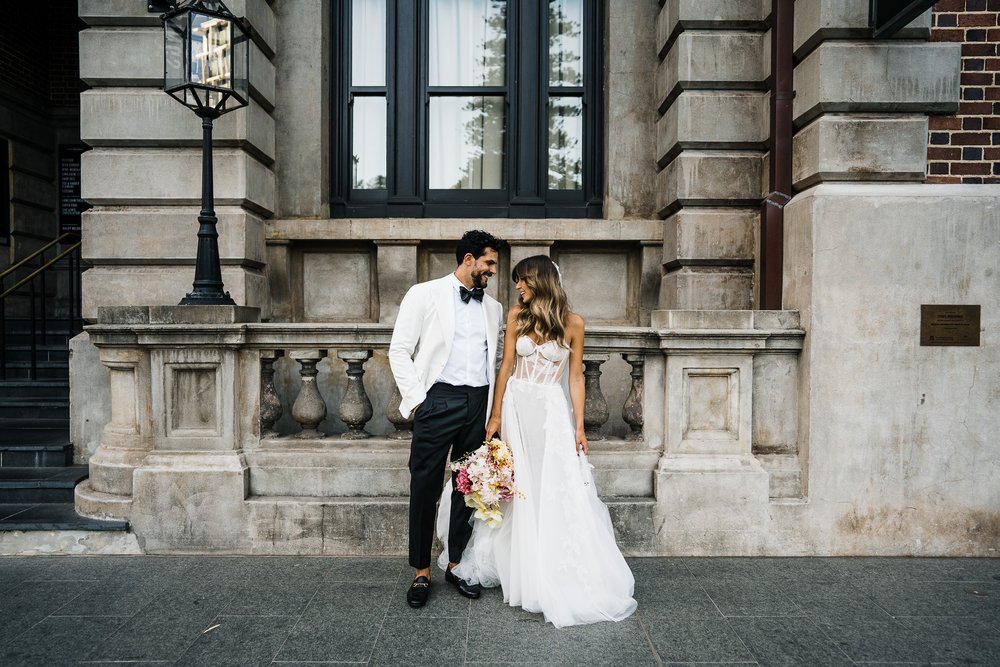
x: 965, y: 148
x: 40, y: 52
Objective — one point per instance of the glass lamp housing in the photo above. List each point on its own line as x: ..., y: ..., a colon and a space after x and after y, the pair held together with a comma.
x: 206, y: 57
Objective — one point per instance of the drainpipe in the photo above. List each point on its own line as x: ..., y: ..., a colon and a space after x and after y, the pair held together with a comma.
x: 780, y: 144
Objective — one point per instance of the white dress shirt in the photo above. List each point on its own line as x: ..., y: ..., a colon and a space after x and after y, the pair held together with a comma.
x: 467, y: 362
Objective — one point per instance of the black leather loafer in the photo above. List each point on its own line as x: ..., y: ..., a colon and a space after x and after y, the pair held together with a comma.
x: 464, y: 587
x: 418, y: 592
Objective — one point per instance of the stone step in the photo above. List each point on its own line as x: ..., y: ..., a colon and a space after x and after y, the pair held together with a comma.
x: 378, y: 525
x: 43, y: 371
x: 378, y: 467
x: 36, y: 455
x: 784, y: 474
x: 51, y: 516
x: 33, y: 408
x: 40, y: 485
x: 48, y: 352
x: 34, y: 389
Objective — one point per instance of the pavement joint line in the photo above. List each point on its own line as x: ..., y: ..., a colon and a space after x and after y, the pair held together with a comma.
x: 649, y: 640
x: 298, y: 619
x: 385, y: 615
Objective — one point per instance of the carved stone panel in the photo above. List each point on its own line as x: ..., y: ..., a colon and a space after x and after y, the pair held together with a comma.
x: 709, y: 406
x: 193, y: 399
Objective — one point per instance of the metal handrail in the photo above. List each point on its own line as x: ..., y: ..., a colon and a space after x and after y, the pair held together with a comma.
x: 55, y: 241
x: 37, y: 296
x: 30, y: 276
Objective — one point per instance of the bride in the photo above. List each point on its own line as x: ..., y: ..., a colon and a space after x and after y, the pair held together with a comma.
x: 555, y: 551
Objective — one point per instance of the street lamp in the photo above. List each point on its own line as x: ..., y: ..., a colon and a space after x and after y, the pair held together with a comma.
x: 206, y: 68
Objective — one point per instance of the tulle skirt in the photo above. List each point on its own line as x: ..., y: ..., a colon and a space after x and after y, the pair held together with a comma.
x: 554, y: 552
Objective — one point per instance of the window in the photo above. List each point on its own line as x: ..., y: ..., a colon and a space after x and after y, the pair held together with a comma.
x: 477, y: 108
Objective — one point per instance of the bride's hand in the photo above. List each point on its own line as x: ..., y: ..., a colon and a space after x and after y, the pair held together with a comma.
x: 492, y: 428
x: 581, y: 441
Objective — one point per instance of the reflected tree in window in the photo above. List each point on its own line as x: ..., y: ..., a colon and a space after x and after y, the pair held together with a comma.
x: 484, y: 117
x: 565, y: 121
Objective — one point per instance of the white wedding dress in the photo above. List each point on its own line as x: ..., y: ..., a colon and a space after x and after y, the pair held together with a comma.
x: 555, y: 550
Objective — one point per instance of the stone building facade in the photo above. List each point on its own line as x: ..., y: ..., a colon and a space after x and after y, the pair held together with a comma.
x: 817, y: 426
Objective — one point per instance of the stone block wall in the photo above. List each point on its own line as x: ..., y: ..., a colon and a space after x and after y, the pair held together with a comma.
x: 143, y: 174
x: 710, y: 140
x: 965, y: 147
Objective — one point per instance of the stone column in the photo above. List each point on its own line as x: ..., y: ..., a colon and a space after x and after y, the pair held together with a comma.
x: 632, y: 410
x: 397, y: 272
x: 270, y: 402
x: 403, y: 424
x: 595, y: 406
x: 190, y: 490
x: 355, y: 406
x: 309, y: 408
x: 710, y: 143
x: 126, y: 439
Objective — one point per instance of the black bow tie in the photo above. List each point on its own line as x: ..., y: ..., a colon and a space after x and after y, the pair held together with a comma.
x: 474, y: 293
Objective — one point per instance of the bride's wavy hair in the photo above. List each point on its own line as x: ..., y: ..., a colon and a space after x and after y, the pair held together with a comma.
x: 545, y: 315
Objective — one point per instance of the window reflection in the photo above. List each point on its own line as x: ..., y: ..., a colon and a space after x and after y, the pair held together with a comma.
x: 565, y: 143
x: 566, y: 42
x: 368, y: 142
x: 368, y: 42
x: 466, y: 143
x: 468, y: 40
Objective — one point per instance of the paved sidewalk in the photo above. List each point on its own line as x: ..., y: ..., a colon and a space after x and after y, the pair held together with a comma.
x: 258, y: 611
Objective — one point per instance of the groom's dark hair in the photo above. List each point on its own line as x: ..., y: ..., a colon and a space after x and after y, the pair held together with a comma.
x: 476, y: 242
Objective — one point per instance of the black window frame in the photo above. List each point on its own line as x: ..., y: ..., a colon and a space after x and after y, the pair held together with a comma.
x: 526, y: 193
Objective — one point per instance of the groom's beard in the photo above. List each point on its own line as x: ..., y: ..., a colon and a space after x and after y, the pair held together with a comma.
x: 480, y: 280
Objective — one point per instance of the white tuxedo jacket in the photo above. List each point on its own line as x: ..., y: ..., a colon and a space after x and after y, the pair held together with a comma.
x: 423, y: 335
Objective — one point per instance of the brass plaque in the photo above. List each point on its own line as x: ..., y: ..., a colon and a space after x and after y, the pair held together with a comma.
x: 949, y: 325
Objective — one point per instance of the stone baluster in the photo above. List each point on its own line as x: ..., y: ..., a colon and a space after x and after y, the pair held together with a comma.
x: 270, y: 402
x: 595, y: 407
x: 309, y: 409
x: 355, y: 407
x: 632, y: 409
x: 403, y: 425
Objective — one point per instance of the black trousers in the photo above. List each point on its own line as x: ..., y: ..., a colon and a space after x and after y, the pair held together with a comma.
x: 451, y: 418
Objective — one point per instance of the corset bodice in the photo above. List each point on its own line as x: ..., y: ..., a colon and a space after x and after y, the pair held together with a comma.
x: 541, y: 364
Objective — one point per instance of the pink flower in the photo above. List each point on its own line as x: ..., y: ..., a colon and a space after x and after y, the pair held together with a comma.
x: 462, y: 482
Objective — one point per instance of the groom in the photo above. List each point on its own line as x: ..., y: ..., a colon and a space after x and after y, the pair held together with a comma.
x: 441, y: 354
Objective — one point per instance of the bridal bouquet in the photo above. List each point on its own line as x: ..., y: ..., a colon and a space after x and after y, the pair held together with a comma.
x: 486, y: 478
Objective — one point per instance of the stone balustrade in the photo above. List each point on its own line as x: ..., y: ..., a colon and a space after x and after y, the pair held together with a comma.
x: 246, y: 436
x: 348, y: 410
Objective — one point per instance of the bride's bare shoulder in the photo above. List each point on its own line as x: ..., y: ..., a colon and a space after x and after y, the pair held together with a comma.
x: 574, y: 323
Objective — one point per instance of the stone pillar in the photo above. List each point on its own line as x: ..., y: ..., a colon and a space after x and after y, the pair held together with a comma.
x: 309, y: 408
x: 189, y: 491
x: 355, y: 406
x: 397, y: 272
x: 710, y: 142
x: 126, y: 438
x: 708, y: 481
x: 873, y: 128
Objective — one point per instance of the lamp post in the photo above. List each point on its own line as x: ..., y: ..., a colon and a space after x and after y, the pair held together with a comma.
x: 206, y: 68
